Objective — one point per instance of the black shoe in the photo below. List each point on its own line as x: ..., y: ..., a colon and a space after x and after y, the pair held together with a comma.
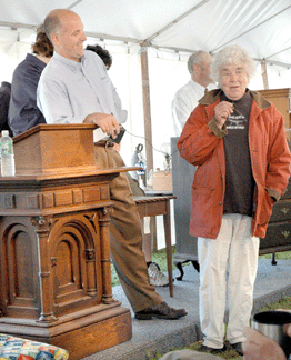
x: 160, y: 311
x: 237, y: 347
x: 210, y: 350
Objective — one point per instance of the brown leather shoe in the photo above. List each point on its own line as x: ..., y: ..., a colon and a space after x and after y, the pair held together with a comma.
x: 160, y: 311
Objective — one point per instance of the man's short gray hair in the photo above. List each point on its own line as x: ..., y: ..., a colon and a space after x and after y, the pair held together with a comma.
x: 52, y: 23
x: 195, y: 58
x: 231, y: 55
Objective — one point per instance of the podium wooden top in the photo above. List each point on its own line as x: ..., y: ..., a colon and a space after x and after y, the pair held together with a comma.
x: 53, y: 127
x: 54, y: 147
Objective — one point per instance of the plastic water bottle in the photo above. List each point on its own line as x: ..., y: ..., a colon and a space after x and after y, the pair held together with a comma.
x: 7, y: 157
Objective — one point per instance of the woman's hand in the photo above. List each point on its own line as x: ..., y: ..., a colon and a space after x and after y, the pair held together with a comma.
x: 222, y: 111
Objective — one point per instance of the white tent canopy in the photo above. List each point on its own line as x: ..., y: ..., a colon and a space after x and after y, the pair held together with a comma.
x: 262, y: 27
x: 171, y: 29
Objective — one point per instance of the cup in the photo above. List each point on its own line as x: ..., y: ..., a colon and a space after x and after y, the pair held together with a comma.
x: 274, y: 325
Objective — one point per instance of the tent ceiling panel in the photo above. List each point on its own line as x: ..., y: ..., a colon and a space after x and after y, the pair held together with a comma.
x: 135, y: 19
x: 220, y: 22
x: 29, y: 11
x: 263, y: 27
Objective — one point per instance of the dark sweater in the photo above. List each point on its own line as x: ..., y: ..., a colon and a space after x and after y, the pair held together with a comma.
x: 239, y: 181
x: 23, y: 111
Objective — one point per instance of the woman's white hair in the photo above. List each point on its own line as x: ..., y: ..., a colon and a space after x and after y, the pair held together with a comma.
x: 231, y: 55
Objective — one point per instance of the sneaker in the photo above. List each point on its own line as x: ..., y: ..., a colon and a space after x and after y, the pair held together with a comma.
x: 157, y: 278
x: 160, y: 311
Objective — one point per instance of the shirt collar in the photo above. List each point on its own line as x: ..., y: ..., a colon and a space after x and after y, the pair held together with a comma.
x: 73, y: 65
x: 195, y: 84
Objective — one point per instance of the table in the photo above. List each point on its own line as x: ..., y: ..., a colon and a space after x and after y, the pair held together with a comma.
x: 155, y: 206
x: 153, y: 224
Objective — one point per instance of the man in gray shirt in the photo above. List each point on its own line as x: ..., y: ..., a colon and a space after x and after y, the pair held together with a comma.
x: 75, y: 88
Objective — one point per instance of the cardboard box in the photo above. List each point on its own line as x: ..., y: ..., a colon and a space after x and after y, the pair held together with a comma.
x: 162, y: 180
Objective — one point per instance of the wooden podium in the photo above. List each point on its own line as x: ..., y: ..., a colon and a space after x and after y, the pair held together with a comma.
x: 55, y: 274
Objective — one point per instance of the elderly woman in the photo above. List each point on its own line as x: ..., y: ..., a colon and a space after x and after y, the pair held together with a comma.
x: 237, y: 140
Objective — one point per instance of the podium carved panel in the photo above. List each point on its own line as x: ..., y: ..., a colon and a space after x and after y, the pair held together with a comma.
x: 19, y: 268
x: 75, y: 263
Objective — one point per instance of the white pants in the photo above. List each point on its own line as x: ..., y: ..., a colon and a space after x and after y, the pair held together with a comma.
x: 236, y: 249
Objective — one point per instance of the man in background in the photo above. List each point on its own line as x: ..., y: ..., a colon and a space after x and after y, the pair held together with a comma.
x: 186, y: 99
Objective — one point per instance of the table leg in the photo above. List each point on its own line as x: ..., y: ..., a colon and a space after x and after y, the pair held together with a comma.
x: 146, y: 243
x: 154, y: 233
x: 168, y: 241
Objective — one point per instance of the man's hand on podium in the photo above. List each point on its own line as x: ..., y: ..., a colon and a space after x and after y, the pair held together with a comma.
x: 106, y: 122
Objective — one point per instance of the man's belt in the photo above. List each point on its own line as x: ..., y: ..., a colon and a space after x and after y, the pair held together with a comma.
x: 104, y: 143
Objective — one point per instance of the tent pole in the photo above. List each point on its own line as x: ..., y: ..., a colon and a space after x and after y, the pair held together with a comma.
x: 264, y: 74
x: 146, y: 105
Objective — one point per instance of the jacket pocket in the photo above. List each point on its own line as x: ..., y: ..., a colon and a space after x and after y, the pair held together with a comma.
x: 206, y: 205
x: 265, y: 210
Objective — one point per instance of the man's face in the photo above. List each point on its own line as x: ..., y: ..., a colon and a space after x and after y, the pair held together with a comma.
x: 202, y: 70
x: 205, y: 68
x: 69, y: 42
x: 233, y: 78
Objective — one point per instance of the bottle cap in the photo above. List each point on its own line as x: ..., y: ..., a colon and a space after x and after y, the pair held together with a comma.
x: 4, y: 133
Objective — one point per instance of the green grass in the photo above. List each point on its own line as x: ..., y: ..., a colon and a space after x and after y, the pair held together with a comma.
x: 284, y: 255
x: 284, y: 303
